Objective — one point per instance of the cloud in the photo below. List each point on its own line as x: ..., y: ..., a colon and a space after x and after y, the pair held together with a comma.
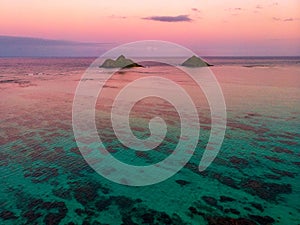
x: 258, y: 7
x: 180, y: 18
x: 195, y: 10
x: 118, y: 17
x: 285, y: 20
x: 276, y: 18
x: 289, y: 19
x: 234, y: 9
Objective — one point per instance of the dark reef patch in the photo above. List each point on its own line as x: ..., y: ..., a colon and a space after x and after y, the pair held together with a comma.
x: 85, y: 193
x: 141, y: 154
x: 256, y: 187
x: 62, y: 193
x: 41, y: 174
x: 262, y: 220
x: 54, y: 212
x: 4, y: 158
x: 283, y: 173
x: 193, y: 211
x: 240, y: 162
x: 103, y: 204
x: 257, y: 206
x: 233, y: 211
x: 31, y: 216
x: 75, y: 150
x: 226, y: 199
x: 288, y: 142
x: 7, y: 215
x: 267, y: 191
x: 182, y: 182
x: 274, y: 159
x: 245, y: 127
x: 133, y: 211
x: 282, y: 150
x: 272, y: 176
x: 296, y: 163
x: 212, y: 202
x: 226, y: 180
x: 229, y: 221
x: 123, y: 202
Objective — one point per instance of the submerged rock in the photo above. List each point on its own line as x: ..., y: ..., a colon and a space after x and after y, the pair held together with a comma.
x: 85, y: 194
x: 41, y: 174
x: 263, y: 220
x: 120, y: 62
x: 226, y: 199
x: 225, y: 180
x: 239, y: 161
x: 31, y: 216
x: 212, y: 202
x: 282, y: 150
x: 233, y: 211
x: 7, y: 215
x: 182, y: 182
x: 267, y: 191
x: 283, y: 173
x: 103, y: 204
x: 195, y: 61
x: 229, y: 221
x: 257, y: 206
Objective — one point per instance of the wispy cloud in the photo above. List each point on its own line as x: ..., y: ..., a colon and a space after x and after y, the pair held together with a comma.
x: 290, y: 19
x: 195, y: 10
x: 258, y: 7
x: 234, y: 9
x: 180, y: 18
x: 196, y: 13
x: 276, y: 18
x: 118, y: 17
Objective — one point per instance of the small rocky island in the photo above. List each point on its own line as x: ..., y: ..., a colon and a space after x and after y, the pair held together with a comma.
x: 120, y: 62
x: 195, y: 61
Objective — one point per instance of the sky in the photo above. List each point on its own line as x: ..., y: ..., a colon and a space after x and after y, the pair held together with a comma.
x: 216, y: 27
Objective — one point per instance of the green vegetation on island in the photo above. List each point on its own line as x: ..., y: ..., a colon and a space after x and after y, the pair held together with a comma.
x: 195, y: 61
x: 120, y: 62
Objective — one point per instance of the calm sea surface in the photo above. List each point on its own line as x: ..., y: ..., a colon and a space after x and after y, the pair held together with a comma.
x: 254, y: 179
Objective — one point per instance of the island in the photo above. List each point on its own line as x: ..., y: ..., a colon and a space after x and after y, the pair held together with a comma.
x: 120, y: 62
x: 195, y: 61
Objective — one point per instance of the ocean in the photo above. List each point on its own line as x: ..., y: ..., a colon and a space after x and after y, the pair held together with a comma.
x: 254, y: 179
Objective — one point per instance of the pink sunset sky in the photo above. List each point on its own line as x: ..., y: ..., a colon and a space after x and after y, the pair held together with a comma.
x: 227, y: 27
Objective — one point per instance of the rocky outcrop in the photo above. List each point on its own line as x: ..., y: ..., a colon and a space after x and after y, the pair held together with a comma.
x: 120, y: 62
x: 195, y: 61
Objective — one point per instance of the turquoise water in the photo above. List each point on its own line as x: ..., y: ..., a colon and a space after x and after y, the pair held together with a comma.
x: 45, y: 180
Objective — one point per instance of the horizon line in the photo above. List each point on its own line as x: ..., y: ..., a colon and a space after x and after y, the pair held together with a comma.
x: 202, y: 56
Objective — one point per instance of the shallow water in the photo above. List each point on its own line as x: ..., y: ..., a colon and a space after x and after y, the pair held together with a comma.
x: 45, y: 180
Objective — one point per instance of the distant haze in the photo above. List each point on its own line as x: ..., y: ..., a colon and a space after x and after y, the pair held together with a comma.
x: 37, y: 47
